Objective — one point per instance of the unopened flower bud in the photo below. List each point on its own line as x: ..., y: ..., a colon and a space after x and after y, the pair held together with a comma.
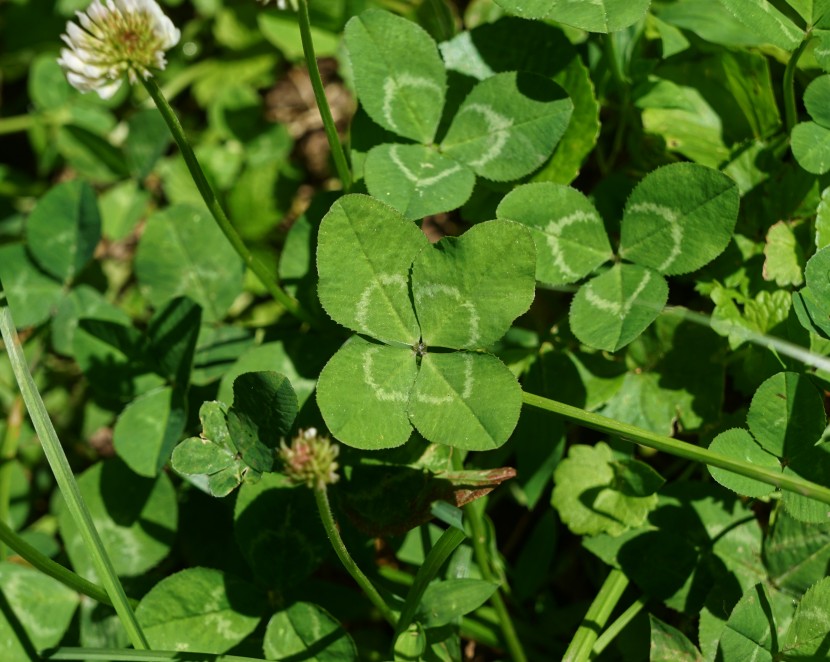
x: 310, y: 460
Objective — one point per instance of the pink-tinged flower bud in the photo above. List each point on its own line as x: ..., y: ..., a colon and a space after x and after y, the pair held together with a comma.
x: 310, y: 460
x: 116, y: 38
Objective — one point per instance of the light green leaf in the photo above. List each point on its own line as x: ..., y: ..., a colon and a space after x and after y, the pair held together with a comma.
x: 679, y: 218
x: 588, y: 497
x: 363, y: 393
x: 710, y: 20
x: 612, y: 309
x: 807, y: 635
x: 465, y: 400
x: 508, y: 125
x: 738, y: 444
x: 784, y: 261
x: 810, y: 10
x: 817, y: 100
x: 766, y: 21
x: 183, y: 252
x: 398, y: 73
x: 786, y: 415
x: 595, y: 16
x: 40, y: 605
x: 796, y: 554
x: 417, y: 180
x: 307, y: 631
x: 199, y: 609
x: 64, y: 229
x: 282, y: 32
x: 568, y: 232
x: 411, y: 644
x: 750, y: 632
x: 823, y: 220
x: 811, y: 147
x: 33, y: 296
x: 148, y: 429
x: 444, y: 601
x: 136, y: 518
x: 821, y: 51
x: 669, y: 644
x: 469, y: 289
x: 817, y: 275
x: 364, y: 252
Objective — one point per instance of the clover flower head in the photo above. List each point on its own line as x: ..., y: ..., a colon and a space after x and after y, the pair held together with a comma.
x: 116, y: 38
x: 310, y: 460
x: 284, y: 5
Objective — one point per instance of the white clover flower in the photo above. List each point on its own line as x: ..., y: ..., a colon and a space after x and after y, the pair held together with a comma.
x: 116, y: 37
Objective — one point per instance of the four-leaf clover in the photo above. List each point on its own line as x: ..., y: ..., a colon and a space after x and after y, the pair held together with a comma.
x: 422, y: 314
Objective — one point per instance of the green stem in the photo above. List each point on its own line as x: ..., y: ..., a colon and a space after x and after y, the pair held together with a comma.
x: 479, y: 540
x: 324, y: 507
x: 790, y: 111
x: 125, y: 655
x: 209, y: 196
x: 680, y: 448
x: 20, y: 123
x: 65, y: 479
x: 610, y: 633
x: 55, y: 570
x: 337, y: 152
x: 8, y: 452
x: 598, y: 614
x: 449, y: 540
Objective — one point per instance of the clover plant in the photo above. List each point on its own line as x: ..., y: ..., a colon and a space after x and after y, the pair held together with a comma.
x: 435, y: 330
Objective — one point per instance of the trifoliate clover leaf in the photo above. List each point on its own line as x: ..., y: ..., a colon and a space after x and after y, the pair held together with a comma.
x: 415, y: 303
x: 810, y: 141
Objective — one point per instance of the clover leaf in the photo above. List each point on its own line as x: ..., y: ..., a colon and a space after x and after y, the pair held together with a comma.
x: 423, y: 314
x: 678, y: 218
x: 811, y: 140
x: 506, y: 127
x: 786, y: 420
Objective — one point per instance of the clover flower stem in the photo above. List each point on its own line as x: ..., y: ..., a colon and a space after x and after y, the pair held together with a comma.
x: 8, y: 452
x: 579, y: 650
x: 65, y: 479
x: 337, y: 153
x: 479, y: 540
x: 324, y: 507
x: 790, y: 110
x: 55, y: 570
x: 209, y: 196
x: 678, y: 448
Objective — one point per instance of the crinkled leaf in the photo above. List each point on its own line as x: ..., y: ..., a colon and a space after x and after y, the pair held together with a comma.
x: 679, y: 218
x: 307, y: 631
x: 784, y: 261
x: 811, y: 147
x: 148, y: 429
x: 363, y: 393
x: 508, y: 125
x: 588, y: 496
x: 263, y: 411
x: 568, y: 232
x: 64, y: 229
x: 595, y: 16
x: 612, y: 309
x: 738, y: 444
x: 469, y: 289
x: 417, y: 180
x: 364, y: 252
x: 199, y: 609
x: 398, y: 73
x: 786, y: 415
x: 466, y: 400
